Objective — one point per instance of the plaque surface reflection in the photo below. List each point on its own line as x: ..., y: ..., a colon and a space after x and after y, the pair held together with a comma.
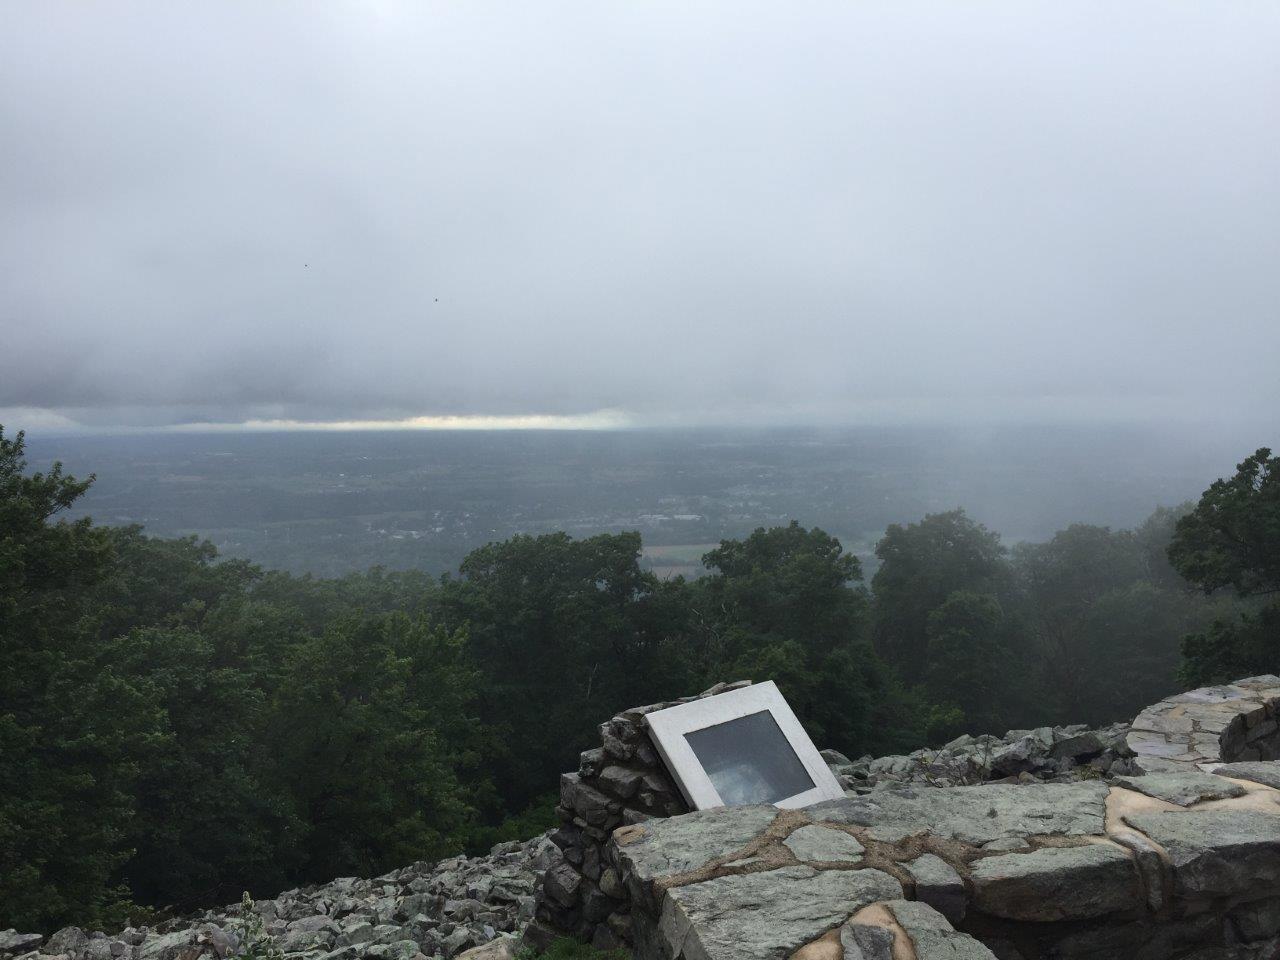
x: 749, y: 760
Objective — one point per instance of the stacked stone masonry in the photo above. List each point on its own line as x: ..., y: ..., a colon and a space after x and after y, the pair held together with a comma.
x: 1173, y: 852
x: 1210, y: 726
x: 619, y: 783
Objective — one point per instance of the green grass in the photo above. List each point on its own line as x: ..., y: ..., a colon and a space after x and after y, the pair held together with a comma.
x: 567, y: 949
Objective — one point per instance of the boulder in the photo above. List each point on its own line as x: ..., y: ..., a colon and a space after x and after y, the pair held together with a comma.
x: 69, y: 941
x: 561, y: 883
x: 621, y: 781
x: 1266, y: 772
x: 1218, y: 853
x: 167, y: 946
x: 1184, y: 788
x: 1077, y: 746
x: 1024, y: 754
x: 11, y: 941
x: 501, y: 948
x: 764, y: 915
x: 213, y: 940
x: 1057, y: 883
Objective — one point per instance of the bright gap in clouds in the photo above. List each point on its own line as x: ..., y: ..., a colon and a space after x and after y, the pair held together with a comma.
x: 49, y: 422
x: 603, y: 420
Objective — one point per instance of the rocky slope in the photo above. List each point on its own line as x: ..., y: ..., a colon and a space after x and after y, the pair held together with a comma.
x: 423, y: 910
x: 1047, y: 754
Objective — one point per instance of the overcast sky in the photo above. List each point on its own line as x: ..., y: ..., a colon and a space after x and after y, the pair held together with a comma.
x: 638, y: 212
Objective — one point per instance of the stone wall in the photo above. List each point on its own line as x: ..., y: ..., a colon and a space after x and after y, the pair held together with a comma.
x: 621, y: 782
x: 1172, y: 853
x: 624, y: 782
x: 1234, y: 722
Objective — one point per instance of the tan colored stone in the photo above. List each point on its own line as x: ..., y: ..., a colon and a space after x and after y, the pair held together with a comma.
x: 502, y: 948
x: 826, y: 947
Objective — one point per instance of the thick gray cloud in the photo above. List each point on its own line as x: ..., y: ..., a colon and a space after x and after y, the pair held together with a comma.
x: 681, y: 211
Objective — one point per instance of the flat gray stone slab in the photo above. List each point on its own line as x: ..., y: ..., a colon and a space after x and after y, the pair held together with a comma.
x: 824, y: 845
x: 1266, y: 772
x: 664, y: 848
x: 976, y: 814
x: 1267, y: 684
x: 1057, y: 883
x: 1158, y: 746
x: 1184, y: 788
x: 765, y: 916
x: 1216, y: 852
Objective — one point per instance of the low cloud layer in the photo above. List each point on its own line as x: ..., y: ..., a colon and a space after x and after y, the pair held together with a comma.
x: 645, y: 213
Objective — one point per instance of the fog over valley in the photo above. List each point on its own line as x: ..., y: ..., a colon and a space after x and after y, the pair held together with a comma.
x: 329, y: 503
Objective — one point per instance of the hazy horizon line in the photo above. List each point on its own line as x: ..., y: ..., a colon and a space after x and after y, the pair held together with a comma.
x: 48, y: 423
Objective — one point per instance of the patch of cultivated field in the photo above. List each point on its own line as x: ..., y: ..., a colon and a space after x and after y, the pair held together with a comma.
x: 676, y: 559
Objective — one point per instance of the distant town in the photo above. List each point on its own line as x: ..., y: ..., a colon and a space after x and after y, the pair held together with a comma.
x: 332, y: 503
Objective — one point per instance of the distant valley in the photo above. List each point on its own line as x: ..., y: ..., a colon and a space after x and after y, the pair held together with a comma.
x: 329, y: 503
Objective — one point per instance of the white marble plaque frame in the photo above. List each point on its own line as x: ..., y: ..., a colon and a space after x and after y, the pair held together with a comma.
x: 668, y: 728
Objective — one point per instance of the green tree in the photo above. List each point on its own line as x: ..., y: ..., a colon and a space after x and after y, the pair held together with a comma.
x: 1153, y: 537
x: 154, y: 582
x: 969, y: 662
x: 207, y: 823
x: 1228, y: 649
x: 1131, y: 636
x: 72, y: 729
x: 365, y: 736
x: 315, y: 602
x: 1232, y: 537
x: 1061, y: 582
x: 1231, y: 540
x: 921, y: 565
x: 174, y: 727
x: 1105, y: 612
x: 787, y: 604
x: 565, y: 632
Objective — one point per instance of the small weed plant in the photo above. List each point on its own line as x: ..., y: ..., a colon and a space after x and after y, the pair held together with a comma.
x: 255, y: 944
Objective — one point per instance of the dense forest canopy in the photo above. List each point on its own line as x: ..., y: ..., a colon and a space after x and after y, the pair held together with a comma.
x: 176, y: 728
